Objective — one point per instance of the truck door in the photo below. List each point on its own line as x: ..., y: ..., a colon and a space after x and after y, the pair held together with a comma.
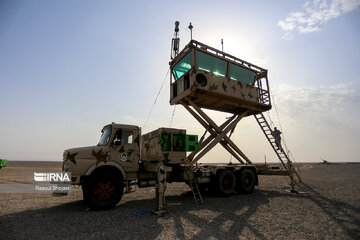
x: 125, y: 149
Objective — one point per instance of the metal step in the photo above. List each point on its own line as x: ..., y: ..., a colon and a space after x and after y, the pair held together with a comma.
x: 283, y: 157
x: 193, y: 185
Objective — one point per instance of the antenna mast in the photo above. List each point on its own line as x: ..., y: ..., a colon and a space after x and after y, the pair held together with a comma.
x: 190, y: 27
x: 175, y: 41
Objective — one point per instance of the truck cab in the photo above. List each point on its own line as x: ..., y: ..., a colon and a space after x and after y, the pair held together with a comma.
x: 118, y: 148
x: 104, y: 169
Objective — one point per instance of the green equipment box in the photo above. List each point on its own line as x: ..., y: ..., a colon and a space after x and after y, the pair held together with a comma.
x: 168, y: 144
x: 191, y: 143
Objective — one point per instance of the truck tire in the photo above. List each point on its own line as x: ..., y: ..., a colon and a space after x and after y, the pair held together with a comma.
x: 103, y: 191
x: 246, y: 181
x: 225, y: 182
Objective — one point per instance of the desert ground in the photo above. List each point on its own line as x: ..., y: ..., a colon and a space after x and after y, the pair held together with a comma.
x: 326, y: 207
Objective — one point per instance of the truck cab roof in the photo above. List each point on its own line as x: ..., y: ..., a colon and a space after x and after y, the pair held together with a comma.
x: 123, y: 126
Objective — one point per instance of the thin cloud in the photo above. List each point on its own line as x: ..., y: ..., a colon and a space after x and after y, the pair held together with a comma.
x: 317, y: 104
x: 314, y: 15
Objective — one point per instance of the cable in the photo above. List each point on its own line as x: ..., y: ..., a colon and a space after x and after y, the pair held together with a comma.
x: 277, y: 114
x: 172, y: 116
x: 272, y: 124
x: 152, y: 108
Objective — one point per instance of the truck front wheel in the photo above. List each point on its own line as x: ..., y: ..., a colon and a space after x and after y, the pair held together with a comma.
x: 103, y: 191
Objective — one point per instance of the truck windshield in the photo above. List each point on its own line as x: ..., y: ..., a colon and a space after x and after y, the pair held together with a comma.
x: 105, y: 137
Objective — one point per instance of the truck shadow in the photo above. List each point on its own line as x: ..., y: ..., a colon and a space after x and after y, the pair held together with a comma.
x: 73, y: 221
x: 220, y: 218
x: 229, y: 218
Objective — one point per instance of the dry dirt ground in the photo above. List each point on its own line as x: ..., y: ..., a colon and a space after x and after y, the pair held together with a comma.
x: 328, y: 208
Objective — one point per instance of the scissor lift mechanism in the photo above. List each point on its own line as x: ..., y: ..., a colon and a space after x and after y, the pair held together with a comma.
x: 217, y: 134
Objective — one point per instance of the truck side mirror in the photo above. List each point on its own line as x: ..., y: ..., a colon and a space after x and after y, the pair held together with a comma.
x: 117, y: 142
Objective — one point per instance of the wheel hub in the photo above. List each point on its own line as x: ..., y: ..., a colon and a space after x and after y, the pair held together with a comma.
x: 104, y: 190
x: 227, y: 183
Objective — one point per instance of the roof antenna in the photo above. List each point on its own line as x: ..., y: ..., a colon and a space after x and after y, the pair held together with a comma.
x: 190, y: 27
x: 175, y: 41
x: 222, y: 45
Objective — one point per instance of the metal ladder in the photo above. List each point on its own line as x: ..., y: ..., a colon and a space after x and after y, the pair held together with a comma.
x: 194, y: 185
x: 283, y: 157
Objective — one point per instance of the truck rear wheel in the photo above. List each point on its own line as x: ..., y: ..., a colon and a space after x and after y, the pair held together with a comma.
x: 246, y: 181
x: 225, y: 182
x: 103, y: 191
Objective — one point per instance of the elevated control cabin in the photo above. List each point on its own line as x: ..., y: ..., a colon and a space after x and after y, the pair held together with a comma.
x: 216, y: 80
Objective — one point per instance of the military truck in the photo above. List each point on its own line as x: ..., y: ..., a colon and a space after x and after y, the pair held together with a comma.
x: 123, y: 158
x: 201, y: 77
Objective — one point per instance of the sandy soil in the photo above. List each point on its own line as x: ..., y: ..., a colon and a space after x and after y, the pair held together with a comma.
x: 327, y: 208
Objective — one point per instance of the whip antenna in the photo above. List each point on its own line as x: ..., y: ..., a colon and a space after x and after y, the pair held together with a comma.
x: 190, y: 27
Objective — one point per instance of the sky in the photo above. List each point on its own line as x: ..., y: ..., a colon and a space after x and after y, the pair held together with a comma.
x: 67, y: 68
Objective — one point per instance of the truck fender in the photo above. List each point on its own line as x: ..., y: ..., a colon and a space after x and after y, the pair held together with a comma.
x: 114, y: 164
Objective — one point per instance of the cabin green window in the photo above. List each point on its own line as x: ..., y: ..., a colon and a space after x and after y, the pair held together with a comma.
x: 183, y: 66
x: 242, y: 74
x: 210, y: 63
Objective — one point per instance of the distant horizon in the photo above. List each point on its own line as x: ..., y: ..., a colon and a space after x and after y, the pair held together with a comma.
x: 200, y: 162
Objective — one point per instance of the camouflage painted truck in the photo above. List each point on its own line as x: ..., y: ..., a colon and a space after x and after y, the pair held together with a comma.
x: 201, y: 77
x: 123, y: 158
